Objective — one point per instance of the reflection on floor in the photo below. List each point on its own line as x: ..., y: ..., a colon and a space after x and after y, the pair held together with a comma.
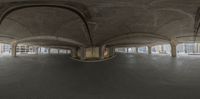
x: 126, y: 76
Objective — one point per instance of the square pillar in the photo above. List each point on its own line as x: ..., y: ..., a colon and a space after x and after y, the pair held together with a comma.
x: 14, y: 49
x: 149, y: 50
x: 49, y: 49
x: 82, y: 53
x: 58, y: 51
x: 136, y: 49
x: 74, y: 52
x: 101, y: 52
x: 36, y: 50
x: 126, y: 50
x: 173, y: 48
x: 111, y: 51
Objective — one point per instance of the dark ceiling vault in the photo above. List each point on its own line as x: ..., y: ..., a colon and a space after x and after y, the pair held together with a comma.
x: 197, y: 23
x: 82, y: 13
x: 97, y: 23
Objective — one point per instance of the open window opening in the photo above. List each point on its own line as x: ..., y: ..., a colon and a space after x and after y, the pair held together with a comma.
x: 164, y: 49
x: 5, y: 49
x: 188, y: 49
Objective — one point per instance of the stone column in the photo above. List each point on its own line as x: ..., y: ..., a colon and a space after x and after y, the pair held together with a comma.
x: 111, y: 51
x: 101, y: 52
x: 14, y: 49
x: 149, y: 50
x: 184, y: 48
x: 74, y: 52
x: 195, y: 47
x: 173, y: 48
x: 36, y: 50
x: 82, y: 53
x: 28, y: 49
x: 136, y: 49
x: 39, y: 50
x: 58, y: 51
x: 49, y: 49
x: 126, y: 50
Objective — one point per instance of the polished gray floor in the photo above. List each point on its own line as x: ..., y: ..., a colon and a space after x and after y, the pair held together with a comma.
x: 127, y: 76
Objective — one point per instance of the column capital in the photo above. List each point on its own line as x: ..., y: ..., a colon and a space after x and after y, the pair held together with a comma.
x: 14, y: 43
x: 173, y: 42
x: 149, y: 45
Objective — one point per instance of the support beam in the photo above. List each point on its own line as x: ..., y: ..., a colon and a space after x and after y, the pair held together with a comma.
x: 82, y: 53
x: 101, y: 52
x: 36, y: 50
x: 173, y: 48
x: 40, y: 50
x: 195, y: 47
x: 111, y: 51
x: 149, y: 50
x: 74, y: 52
x: 14, y: 49
x: 49, y: 49
x: 136, y: 50
x: 58, y: 51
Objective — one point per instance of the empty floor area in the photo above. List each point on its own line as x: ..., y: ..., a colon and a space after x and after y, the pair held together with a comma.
x: 126, y: 76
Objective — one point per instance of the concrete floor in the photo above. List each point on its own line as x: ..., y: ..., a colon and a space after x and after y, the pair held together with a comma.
x: 126, y: 76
